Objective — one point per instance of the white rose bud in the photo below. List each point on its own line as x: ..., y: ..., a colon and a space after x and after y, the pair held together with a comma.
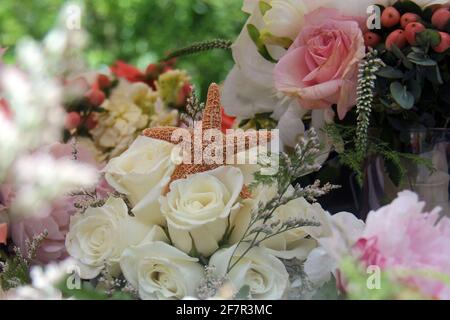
x: 262, y: 272
x: 99, y: 235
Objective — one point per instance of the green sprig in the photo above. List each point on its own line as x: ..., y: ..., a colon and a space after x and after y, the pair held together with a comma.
x: 200, y: 47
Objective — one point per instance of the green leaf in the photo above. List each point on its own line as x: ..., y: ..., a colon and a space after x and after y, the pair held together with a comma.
x: 433, y: 75
x: 400, y: 55
x: 421, y: 59
x: 402, y: 96
x: 264, y: 7
x: 428, y: 37
x: 256, y: 38
x: 390, y: 73
x: 408, y: 6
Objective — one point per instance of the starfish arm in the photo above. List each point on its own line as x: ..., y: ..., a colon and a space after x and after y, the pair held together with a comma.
x: 161, y: 133
x: 212, y: 116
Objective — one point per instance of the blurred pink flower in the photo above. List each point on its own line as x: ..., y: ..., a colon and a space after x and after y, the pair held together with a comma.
x: 321, y: 66
x: 401, y: 236
x: 56, y: 223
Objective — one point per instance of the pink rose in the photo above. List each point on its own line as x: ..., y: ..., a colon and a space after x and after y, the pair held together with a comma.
x: 321, y: 66
x: 400, y: 236
x: 56, y: 222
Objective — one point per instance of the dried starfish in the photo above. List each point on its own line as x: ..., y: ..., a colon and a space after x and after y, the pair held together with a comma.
x: 212, y: 119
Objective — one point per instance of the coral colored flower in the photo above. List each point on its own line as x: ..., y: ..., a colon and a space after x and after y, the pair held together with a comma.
x: 227, y: 121
x: 127, y: 71
x: 321, y: 66
x: 401, y: 237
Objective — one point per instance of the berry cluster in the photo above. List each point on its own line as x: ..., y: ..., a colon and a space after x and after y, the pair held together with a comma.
x: 404, y: 28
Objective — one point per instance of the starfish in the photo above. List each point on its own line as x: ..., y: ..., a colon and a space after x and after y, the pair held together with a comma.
x: 212, y: 119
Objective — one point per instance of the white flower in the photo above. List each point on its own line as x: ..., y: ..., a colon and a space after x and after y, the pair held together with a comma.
x: 159, y: 271
x: 100, y: 235
x: 343, y: 230
x: 122, y: 120
x: 141, y: 173
x: 197, y: 208
x: 265, y: 275
x: 295, y: 243
x: 285, y: 18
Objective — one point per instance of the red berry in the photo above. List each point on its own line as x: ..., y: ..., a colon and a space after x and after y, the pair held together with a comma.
x: 407, y: 18
x: 92, y: 121
x: 390, y: 17
x: 371, y: 39
x: 95, y: 97
x: 440, y: 18
x: 445, y: 43
x: 396, y: 37
x: 72, y: 121
x: 103, y: 81
x: 412, y: 30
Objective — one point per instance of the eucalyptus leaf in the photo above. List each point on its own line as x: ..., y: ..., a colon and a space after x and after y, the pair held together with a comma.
x: 421, y: 59
x: 428, y: 37
x: 433, y: 75
x: 400, y: 55
x: 390, y: 73
x: 408, y: 6
x: 402, y: 96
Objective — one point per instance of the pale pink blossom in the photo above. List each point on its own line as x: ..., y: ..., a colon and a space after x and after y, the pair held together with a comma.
x: 402, y: 237
x: 56, y: 222
x: 321, y: 66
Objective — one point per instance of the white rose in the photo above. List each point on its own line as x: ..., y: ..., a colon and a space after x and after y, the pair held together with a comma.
x: 141, y: 173
x: 285, y: 18
x: 197, y: 208
x: 295, y: 243
x: 265, y: 275
x: 99, y: 236
x: 342, y: 231
x: 159, y: 271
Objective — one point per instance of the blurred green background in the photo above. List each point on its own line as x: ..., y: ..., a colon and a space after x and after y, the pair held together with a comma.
x: 137, y: 31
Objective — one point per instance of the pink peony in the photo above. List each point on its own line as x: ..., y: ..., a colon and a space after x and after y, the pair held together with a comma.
x: 321, y: 66
x: 400, y: 236
x: 56, y: 223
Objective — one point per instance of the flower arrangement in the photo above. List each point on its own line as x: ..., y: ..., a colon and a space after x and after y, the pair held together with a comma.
x: 122, y: 185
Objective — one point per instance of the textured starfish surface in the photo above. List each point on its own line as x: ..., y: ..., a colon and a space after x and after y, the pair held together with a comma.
x: 212, y: 119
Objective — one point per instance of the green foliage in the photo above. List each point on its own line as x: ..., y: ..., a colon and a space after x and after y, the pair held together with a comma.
x: 395, y: 161
x: 15, y: 268
x: 200, y: 47
x: 89, y: 292
x: 137, y: 31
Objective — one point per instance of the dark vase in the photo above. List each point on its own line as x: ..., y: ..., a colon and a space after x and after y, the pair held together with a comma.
x: 431, y: 186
